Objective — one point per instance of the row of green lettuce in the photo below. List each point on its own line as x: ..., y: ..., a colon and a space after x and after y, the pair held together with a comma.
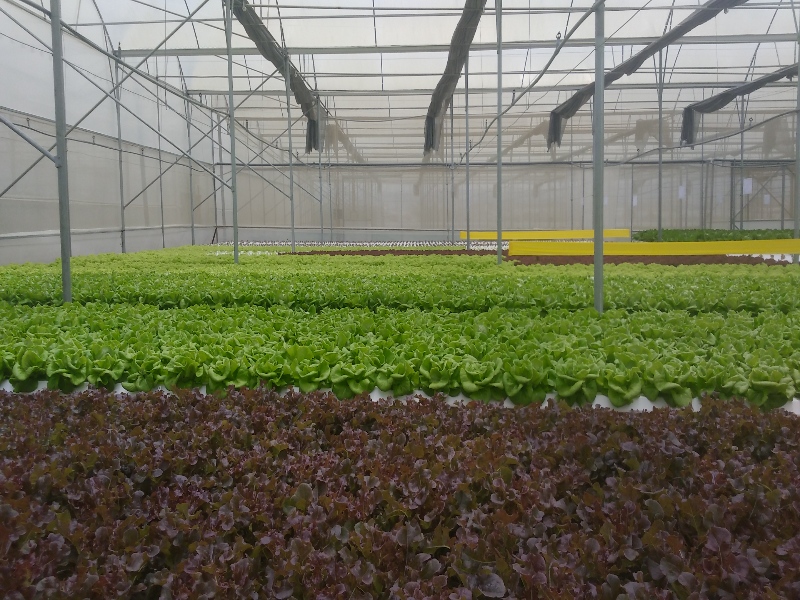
x: 490, y: 355
x: 712, y: 235
x: 200, y: 277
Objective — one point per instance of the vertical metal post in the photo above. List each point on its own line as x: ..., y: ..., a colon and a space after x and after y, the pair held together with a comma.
x: 261, y: 150
x: 702, y: 182
x: 61, y: 150
x: 330, y: 193
x: 733, y: 199
x: 660, y: 139
x: 711, y: 196
x: 232, y: 128
x: 452, y: 178
x: 599, y: 150
x: 214, y: 168
x: 554, y: 181
x: 583, y: 197
x: 796, y: 215
x: 221, y: 173
x: 444, y: 187
x: 469, y: 148
x: 160, y: 161
x: 319, y: 160
x: 571, y: 182
x: 288, y: 77
x: 631, y: 229
x: 499, y: 20
x: 118, y: 97
x: 741, y: 162
x: 783, y: 196
x: 191, y: 167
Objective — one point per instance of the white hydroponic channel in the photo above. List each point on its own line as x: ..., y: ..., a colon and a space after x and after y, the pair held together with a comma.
x: 641, y: 404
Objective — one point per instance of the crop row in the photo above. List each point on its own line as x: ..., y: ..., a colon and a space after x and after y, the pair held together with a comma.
x: 255, y: 495
x: 197, y: 277
x: 496, y: 354
x: 709, y: 235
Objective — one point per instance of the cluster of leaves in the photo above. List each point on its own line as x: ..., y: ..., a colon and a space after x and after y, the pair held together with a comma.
x: 255, y: 495
x: 197, y: 277
x: 712, y: 235
x: 493, y: 355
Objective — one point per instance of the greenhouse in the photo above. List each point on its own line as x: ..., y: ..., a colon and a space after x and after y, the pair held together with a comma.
x: 399, y: 299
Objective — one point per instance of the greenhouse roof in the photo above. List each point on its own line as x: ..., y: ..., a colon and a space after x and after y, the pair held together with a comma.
x: 375, y: 64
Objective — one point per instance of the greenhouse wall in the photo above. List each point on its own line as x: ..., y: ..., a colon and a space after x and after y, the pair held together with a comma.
x: 359, y: 203
x: 29, y: 217
x: 385, y: 203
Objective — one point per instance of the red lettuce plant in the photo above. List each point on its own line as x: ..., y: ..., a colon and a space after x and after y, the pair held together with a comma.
x: 253, y: 495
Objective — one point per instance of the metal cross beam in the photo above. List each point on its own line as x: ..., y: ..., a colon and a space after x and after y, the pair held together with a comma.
x: 754, y: 38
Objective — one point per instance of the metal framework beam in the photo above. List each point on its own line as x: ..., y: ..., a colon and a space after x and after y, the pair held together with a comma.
x: 545, y: 88
x: 28, y: 139
x: 751, y: 38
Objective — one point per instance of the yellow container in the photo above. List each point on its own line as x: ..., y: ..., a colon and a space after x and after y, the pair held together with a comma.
x: 570, y: 234
x: 522, y: 248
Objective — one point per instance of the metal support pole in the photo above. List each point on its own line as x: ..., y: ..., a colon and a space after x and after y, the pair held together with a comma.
x: 444, y: 189
x: 61, y: 150
x: 330, y: 194
x: 118, y: 96
x: 452, y: 178
x: 686, y: 200
x: 583, y: 197
x: 571, y: 181
x: 160, y: 163
x: 213, y: 184
x: 783, y: 196
x: 191, y: 167
x: 469, y: 147
x: 319, y: 160
x: 599, y: 149
x: 741, y: 163
x: 232, y: 129
x: 221, y: 173
x: 702, y: 182
x: 499, y: 20
x: 631, y: 229
x: 733, y: 199
x: 660, y: 139
x: 796, y: 215
x: 711, y: 199
x: 288, y: 77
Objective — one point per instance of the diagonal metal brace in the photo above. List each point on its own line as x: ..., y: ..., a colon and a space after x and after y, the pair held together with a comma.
x: 30, y: 140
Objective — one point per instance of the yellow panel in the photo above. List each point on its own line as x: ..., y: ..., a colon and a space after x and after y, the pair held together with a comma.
x: 571, y: 234
x: 655, y: 248
x: 551, y: 248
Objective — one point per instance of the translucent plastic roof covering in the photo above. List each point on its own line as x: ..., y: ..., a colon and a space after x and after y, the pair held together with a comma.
x: 375, y: 64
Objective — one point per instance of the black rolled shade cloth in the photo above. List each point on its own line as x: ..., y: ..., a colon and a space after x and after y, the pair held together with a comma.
x: 567, y: 110
x: 459, y: 50
x: 270, y: 49
x: 691, y: 123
